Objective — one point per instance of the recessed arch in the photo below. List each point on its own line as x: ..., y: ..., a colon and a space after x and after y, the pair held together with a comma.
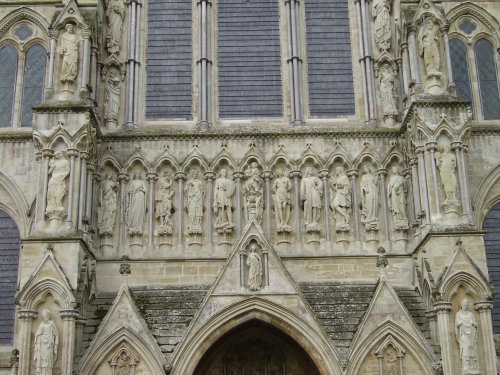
x: 491, y: 225
x: 200, y: 339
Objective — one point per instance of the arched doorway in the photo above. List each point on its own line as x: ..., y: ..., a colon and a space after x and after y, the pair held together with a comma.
x: 491, y: 224
x: 256, y: 348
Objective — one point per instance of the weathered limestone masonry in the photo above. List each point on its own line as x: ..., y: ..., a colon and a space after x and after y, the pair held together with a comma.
x: 307, y: 241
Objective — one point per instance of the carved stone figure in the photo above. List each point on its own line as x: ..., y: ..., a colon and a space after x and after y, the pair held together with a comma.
x: 108, y: 201
x: 253, y: 192
x: 68, y: 48
x: 164, y: 203
x: 369, y: 199
x: 396, y: 198
x: 112, y: 97
x: 123, y: 364
x: 466, y: 333
x: 254, y: 264
x: 381, y: 11
x: 57, y: 189
x: 391, y: 365
x: 46, y: 343
x: 281, y: 196
x: 224, y: 189
x: 386, y: 86
x: 136, y: 205
x: 340, y: 199
x: 447, y: 164
x: 429, y: 51
x: 311, y: 191
x: 429, y: 47
x: 194, y: 202
x: 114, y: 15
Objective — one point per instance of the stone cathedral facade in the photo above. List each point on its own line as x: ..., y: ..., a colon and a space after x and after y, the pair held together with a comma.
x: 249, y: 187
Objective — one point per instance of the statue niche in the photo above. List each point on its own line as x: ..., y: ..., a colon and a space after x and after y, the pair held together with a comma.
x: 447, y: 165
x: 396, y: 199
x: 466, y: 334
x: 46, y: 345
x: 136, y: 205
x: 194, y: 192
x: 69, y: 47
x: 281, y: 198
x: 57, y: 189
x: 253, y: 192
x: 311, y: 191
x: 340, y: 200
x: 254, y: 264
x: 429, y: 51
x: 163, y: 201
x: 223, y: 193
x: 107, y: 210
x: 112, y: 76
x: 123, y: 362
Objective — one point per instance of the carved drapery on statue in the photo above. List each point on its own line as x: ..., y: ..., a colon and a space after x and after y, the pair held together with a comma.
x: 112, y: 97
x: 114, y: 16
x: 136, y: 205
x: 223, y: 192
x: 466, y: 334
x: 253, y: 192
x: 57, y: 189
x: 396, y: 198
x: 69, y: 51
x: 387, y: 94
x: 254, y: 263
x: 311, y: 191
x: 429, y: 50
x: 281, y: 197
x: 381, y: 11
x: 194, y: 202
x: 108, y: 202
x: 46, y: 345
x: 164, y: 203
x: 447, y: 164
x: 369, y: 199
x: 340, y: 199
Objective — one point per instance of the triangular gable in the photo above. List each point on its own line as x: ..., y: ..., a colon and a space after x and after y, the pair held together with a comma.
x: 463, y: 267
x: 386, y: 310
x: 123, y: 322
x: 227, y: 290
x: 70, y: 13
x: 48, y: 271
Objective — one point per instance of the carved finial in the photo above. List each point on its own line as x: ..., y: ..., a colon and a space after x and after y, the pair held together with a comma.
x: 49, y: 249
x: 125, y: 266
x: 382, y: 261
x: 337, y: 141
x: 460, y: 244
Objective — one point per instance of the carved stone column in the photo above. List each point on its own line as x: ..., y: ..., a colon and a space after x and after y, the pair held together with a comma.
x: 296, y: 175
x: 180, y: 177
x: 122, y: 180
x: 414, y: 63
x: 93, y: 79
x: 416, y: 187
x: 242, y: 268
x: 365, y: 20
x: 68, y: 341
x: 265, y: 254
x: 267, y: 175
x: 52, y: 58
x: 431, y: 147
x: 204, y: 62
x: 84, y: 157
x: 362, y: 65
x: 210, y: 177
x: 85, y: 62
x: 26, y: 322
x: 72, y: 153
x: 38, y: 159
x: 352, y: 174
x: 423, y: 182
x: 385, y: 209
x: 151, y: 178
x: 458, y: 148
x: 96, y: 180
x: 237, y: 176
x: 449, y: 71
x: 406, y: 68
x: 443, y: 316
x: 89, y: 198
x: 490, y: 358
x: 324, y: 174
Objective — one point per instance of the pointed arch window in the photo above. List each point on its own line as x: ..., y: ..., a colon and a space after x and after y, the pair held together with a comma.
x: 460, y: 68
x: 9, y: 59
x: 34, y: 77
x: 487, y: 79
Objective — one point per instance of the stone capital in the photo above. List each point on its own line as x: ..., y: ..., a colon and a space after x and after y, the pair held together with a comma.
x: 72, y: 152
x: 382, y: 172
x: 27, y: 314
x: 53, y: 33
x: 324, y: 174
x: 122, y: 177
x: 151, y: 177
x: 443, y: 307
x: 295, y: 174
x: 431, y: 146
x: 419, y: 150
x: 237, y: 176
x: 210, y: 176
x: 352, y: 173
x: 69, y: 314
x: 483, y: 306
x: 267, y: 175
x: 180, y: 176
x: 47, y: 152
x: 456, y: 145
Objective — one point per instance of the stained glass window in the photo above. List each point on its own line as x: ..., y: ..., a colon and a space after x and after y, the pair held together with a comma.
x: 488, y: 79
x: 8, y: 72
x: 34, y: 76
x: 460, y: 69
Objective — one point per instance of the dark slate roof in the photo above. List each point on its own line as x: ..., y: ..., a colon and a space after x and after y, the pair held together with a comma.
x: 167, y: 311
x: 339, y: 307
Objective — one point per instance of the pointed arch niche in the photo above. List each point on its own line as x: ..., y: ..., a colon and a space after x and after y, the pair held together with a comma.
x: 256, y: 347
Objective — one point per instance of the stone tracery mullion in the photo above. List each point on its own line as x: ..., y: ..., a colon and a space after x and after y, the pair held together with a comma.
x: 151, y: 178
x: 46, y: 154
x: 204, y: 62
x: 52, y: 57
x: 84, y: 156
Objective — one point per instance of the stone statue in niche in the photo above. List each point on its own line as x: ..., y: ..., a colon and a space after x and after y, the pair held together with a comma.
x: 46, y: 343
x: 224, y: 190
x: 112, y: 97
x: 114, y: 16
x: 369, y: 199
x: 254, y: 264
x: 59, y: 169
x: 194, y: 202
x: 123, y: 364
x: 68, y: 49
x: 136, y: 205
x: 381, y: 11
x: 429, y: 51
x: 164, y: 204
x: 253, y: 193
x: 311, y: 191
x: 107, y: 210
x: 391, y: 365
x: 340, y: 200
x: 396, y: 198
x: 447, y: 164
x: 386, y: 86
x: 281, y: 197
x: 466, y: 333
